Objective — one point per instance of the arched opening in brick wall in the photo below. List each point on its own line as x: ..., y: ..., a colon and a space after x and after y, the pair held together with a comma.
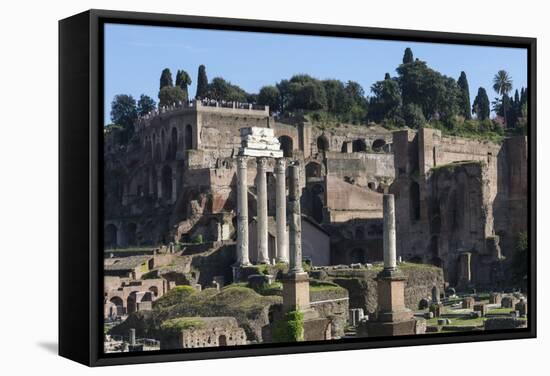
x: 414, y: 201
x: 163, y: 143
x: 322, y: 144
x: 110, y: 236
x: 359, y: 145
x: 154, y: 290
x: 358, y: 255
x: 286, y: 146
x: 378, y: 145
x: 119, y: 304
x: 313, y: 170
x: 188, y: 137
x: 222, y: 340
x: 173, y: 143
x: 131, y: 303
x: 131, y: 236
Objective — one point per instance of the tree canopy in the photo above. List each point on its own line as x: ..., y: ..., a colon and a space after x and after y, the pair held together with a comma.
x: 408, y: 56
x: 202, y: 83
x: 170, y: 95
x: 464, y: 108
x: 481, y: 105
x: 183, y: 80
x: 221, y: 89
x: 165, y: 78
x: 145, y: 104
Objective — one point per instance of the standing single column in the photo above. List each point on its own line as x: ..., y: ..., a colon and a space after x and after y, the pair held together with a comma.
x: 389, y: 233
x: 282, y: 244
x: 242, y: 212
x: 295, y: 225
x: 261, y: 217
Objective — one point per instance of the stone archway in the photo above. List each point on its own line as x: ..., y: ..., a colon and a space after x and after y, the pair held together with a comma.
x: 313, y: 170
x: 188, y: 137
x: 322, y: 144
x: 119, y: 304
x: 378, y: 145
x: 359, y: 145
x: 357, y: 256
x: 287, y: 146
x: 110, y: 236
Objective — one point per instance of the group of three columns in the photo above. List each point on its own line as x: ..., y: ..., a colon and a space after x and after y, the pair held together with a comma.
x: 287, y: 250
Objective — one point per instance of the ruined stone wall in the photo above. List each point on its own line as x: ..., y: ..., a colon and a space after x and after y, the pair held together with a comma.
x: 362, y: 287
x: 453, y: 195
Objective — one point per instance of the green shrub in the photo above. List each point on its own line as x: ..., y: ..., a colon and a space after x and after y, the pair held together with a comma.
x: 290, y: 329
x: 197, y: 239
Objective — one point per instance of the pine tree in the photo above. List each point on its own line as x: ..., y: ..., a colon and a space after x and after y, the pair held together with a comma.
x: 464, y: 97
x: 166, y: 78
x: 202, y: 83
x: 408, y: 56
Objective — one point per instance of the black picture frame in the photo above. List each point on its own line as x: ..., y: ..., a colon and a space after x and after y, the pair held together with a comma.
x: 80, y: 183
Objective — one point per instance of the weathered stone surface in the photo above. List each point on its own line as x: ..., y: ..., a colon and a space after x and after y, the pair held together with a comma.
x: 468, y: 302
x: 509, y: 301
x: 501, y: 323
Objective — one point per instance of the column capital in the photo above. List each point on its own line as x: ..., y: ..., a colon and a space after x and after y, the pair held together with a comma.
x: 242, y: 161
x: 261, y: 162
x: 280, y: 165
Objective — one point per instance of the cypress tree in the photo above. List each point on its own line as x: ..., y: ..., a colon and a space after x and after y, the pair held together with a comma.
x: 166, y: 78
x: 202, y: 83
x: 408, y: 56
x: 183, y: 80
x: 481, y: 104
x: 464, y: 97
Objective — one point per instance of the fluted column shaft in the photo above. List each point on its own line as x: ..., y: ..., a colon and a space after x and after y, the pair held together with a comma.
x: 295, y: 224
x: 280, y: 193
x: 390, y: 262
x: 261, y: 218
x: 242, y: 212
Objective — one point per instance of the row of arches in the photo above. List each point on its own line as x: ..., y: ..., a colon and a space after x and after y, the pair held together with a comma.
x: 163, y: 147
x: 114, y: 236
x: 129, y: 306
x: 357, y: 146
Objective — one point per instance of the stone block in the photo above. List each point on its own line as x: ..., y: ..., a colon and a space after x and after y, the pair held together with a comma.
x: 480, y: 307
x: 386, y: 329
x: 258, y: 281
x: 468, y: 302
x: 495, y: 298
x: 295, y: 292
x: 521, y: 307
x: 508, y: 301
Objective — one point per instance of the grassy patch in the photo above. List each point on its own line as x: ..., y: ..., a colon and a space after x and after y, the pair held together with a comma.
x: 175, y: 296
x: 323, y: 286
x: 182, y: 323
x: 500, y: 310
x: 478, y: 321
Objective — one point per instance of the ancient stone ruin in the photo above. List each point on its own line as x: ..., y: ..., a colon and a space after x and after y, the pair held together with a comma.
x: 222, y: 223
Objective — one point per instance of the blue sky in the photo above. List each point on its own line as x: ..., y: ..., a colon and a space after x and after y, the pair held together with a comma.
x: 136, y: 55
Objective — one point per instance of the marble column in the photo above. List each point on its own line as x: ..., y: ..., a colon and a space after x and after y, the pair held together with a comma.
x: 261, y: 217
x: 282, y: 244
x: 295, y: 225
x: 242, y: 212
x: 389, y: 233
